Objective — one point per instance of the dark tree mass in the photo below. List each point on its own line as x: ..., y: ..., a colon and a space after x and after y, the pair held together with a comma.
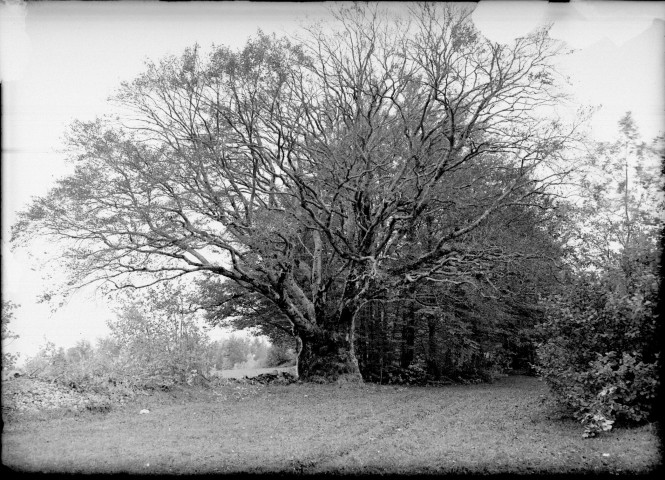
x: 379, y: 191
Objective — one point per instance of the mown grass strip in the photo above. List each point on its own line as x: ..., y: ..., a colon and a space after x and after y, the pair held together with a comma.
x: 503, y: 427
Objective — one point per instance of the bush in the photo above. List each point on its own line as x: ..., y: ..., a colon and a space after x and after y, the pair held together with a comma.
x: 598, y: 355
x: 105, y: 373
x: 279, y: 356
x: 8, y: 359
x: 396, y: 375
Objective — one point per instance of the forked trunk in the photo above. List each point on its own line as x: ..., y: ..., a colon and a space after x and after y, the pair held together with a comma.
x: 327, y: 357
x: 326, y: 351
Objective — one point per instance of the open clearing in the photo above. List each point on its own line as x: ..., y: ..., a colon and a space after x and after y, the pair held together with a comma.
x: 300, y: 428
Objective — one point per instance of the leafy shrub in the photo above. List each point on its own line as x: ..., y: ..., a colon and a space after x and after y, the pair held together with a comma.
x: 48, y: 363
x: 396, y: 375
x: 8, y: 359
x: 279, y: 355
x: 156, y: 341
x: 105, y: 374
x: 598, y: 355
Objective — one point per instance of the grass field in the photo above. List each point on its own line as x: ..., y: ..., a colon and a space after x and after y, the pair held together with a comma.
x: 300, y: 428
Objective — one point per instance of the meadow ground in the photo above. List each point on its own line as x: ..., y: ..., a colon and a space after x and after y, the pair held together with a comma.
x: 505, y: 427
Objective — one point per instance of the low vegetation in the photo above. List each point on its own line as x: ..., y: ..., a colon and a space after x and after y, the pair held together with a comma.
x: 506, y: 427
x: 615, y: 377
x: 131, y: 360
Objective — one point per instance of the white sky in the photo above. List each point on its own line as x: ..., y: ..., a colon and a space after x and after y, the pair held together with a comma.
x: 60, y: 61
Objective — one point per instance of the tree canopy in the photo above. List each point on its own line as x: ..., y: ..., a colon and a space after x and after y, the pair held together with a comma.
x: 319, y: 174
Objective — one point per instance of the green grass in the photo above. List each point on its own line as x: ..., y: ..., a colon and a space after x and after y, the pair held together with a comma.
x: 503, y: 427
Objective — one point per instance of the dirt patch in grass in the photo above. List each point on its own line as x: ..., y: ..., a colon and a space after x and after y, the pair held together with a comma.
x: 301, y: 428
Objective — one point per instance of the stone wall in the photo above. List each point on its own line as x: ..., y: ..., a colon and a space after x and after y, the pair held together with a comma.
x: 31, y: 395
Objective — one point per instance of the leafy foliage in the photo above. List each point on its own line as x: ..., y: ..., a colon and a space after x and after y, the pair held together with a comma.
x: 47, y: 362
x: 599, y: 356
x: 239, y: 352
x: 279, y: 356
x: 160, y: 339
x: 228, y: 305
x: 319, y: 174
x: 8, y: 359
x: 154, y: 344
x: 475, y: 330
x: 597, y: 350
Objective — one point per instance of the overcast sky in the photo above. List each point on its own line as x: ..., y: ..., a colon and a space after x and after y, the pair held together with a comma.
x: 60, y: 61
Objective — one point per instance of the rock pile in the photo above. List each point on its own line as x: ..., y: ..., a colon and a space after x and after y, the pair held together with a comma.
x: 31, y: 395
x: 277, y: 378
x: 24, y: 394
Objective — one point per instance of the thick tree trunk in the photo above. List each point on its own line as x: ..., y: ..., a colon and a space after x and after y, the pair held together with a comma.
x: 327, y: 357
x: 327, y: 347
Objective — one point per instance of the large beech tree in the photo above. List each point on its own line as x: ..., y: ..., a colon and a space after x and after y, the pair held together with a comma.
x: 319, y: 173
